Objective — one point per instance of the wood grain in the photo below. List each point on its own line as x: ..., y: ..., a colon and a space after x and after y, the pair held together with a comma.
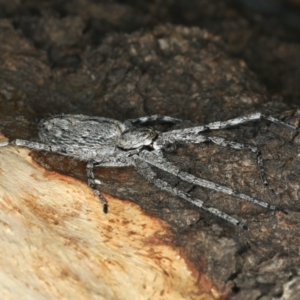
x: 57, y: 244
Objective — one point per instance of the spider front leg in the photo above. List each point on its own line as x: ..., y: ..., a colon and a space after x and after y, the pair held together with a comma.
x: 198, y: 138
x: 238, y: 146
x: 153, y: 118
x: 219, y: 125
x: 144, y: 169
x: 246, y: 119
x: 156, y: 159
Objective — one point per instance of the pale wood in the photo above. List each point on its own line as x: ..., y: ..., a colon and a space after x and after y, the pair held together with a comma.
x: 57, y: 244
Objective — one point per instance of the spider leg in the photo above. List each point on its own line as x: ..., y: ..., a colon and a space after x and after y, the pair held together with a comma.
x: 68, y: 150
x: 156, y: 159
x: 153, y: 118
x: 71, y: 150
x: 3, y: 144
x: 34, y: 145
x: 92, y: 182
x: 238, y: 146
x: 229, y: 123
x: 245, y: 119
x: 144, y: 169
x: 118, y: 161
x: 197, y: 139
x: 61, y: 149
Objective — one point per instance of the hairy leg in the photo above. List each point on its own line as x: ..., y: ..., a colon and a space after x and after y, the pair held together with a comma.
x: 229, y: 123
x: 156, y: 159
x: 144, y: 169
x: 153, y: 118
x: 197, y: 139
x: 82, y: 153
x: 32, y: 145
x: 92, y: 182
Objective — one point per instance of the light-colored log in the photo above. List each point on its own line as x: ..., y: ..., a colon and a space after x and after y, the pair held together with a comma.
x: 57, y: 244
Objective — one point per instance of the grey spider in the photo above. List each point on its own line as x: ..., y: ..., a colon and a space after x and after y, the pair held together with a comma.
x: 111, y: 143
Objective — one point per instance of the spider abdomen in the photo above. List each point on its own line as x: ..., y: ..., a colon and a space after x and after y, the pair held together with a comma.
x: 80, y: 130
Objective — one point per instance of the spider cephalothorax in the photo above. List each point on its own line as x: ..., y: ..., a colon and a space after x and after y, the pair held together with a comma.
x: 111, y: 143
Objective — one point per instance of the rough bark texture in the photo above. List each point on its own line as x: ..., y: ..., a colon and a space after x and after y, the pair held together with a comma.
x: 55, y: 59
x: 264, y: 33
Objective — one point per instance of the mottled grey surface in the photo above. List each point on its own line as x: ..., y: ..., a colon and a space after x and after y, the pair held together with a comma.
x: 183, y: 72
